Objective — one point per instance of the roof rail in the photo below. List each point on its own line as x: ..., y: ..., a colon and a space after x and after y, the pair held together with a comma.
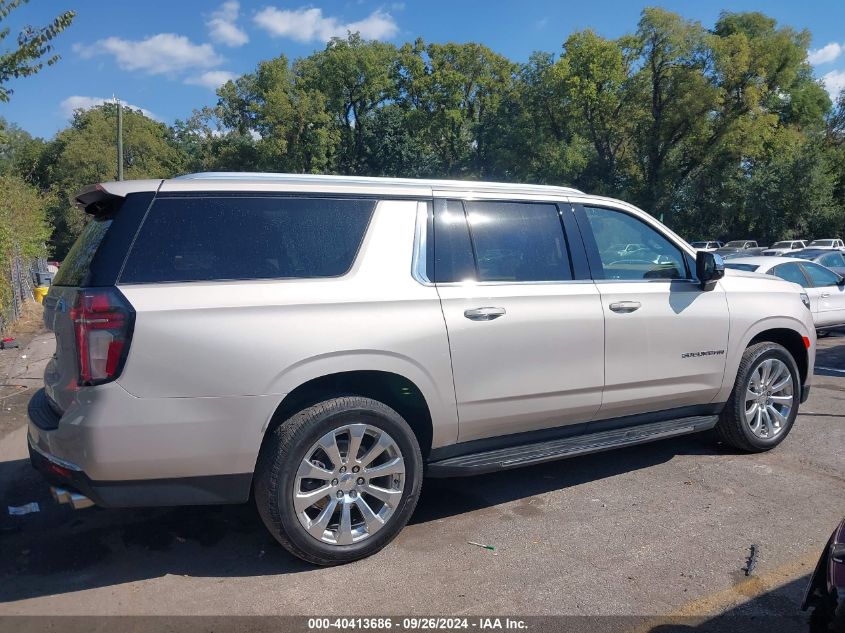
x: 369, y: 180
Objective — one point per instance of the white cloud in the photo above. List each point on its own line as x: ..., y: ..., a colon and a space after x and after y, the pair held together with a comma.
x: 211, y: 79
x: 834, y: 82
x: 77, y: 102
x: 164, y: 53
x: 223, y: 28
x: 825, y: 54
x: 309, y: 24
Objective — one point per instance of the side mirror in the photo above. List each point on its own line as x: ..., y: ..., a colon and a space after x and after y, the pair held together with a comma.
x: 709, y: 267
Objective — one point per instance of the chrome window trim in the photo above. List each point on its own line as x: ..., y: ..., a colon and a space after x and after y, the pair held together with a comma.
x: 419, y: 259
x: 474, y: 284
x: 645, y: 281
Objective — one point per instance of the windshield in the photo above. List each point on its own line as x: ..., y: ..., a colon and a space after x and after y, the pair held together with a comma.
x: 746, y: 267
x: 821, y: 243
x: 782, y: 245
x: 735, y: 244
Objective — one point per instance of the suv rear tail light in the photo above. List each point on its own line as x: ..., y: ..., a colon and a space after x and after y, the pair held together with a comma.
x: 102, y: 323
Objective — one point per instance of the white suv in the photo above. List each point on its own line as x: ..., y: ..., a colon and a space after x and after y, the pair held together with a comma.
x: 327, y: 341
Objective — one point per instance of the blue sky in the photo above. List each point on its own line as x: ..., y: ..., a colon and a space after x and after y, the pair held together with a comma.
x: 168, y: 56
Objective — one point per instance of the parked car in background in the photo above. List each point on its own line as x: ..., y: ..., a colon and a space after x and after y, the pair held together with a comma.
x: 739, y: 248
x: 827, y: 243
x: 835, y: 260
x: 784, y: 247
x: 826, y: 591
x: 706, y: 245
x: 824, y: 288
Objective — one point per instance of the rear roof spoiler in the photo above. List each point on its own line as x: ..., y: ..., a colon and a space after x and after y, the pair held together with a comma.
x: 104, y: 198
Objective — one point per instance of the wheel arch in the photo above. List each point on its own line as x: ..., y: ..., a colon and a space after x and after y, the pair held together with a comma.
x: 789, y: 339
x: 395, y: 390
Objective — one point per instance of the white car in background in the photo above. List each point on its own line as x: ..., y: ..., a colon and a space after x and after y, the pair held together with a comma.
x: 824, y: 288
x: 827, y: 243
x: 787, y: 246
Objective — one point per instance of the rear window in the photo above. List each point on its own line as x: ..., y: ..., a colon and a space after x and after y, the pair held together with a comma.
x: 220, y: 238
x: 75, y: 267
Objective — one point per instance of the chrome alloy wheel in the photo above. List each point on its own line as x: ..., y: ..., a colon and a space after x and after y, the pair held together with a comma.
x: 349, y: 484
x: 769, y: 398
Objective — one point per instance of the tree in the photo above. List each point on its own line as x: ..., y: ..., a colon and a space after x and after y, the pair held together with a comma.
x: 448, y: 91
x: 84, y: 153
x: 23, y: 227
x: 594, y: 77
x: 33, y: 48
x: 353, y: 77
x: 20, y: 153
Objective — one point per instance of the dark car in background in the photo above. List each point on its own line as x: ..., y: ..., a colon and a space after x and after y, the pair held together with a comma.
x: 740, y: 248
x: 835, y: 260
x: 826, y: 591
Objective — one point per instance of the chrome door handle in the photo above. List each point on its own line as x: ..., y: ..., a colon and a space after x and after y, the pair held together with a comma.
x: 825, y: 295
x: 484, y: 314
x: 624, y: 307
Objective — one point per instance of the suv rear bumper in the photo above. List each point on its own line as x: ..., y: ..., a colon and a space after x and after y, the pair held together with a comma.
x: 208, y: 490
x: 121, y: 451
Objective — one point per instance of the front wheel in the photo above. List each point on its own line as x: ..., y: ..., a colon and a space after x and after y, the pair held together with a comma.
x: 339, y: 480
x: 764, y: 402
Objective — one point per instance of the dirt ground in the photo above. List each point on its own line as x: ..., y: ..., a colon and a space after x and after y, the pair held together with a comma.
x: 657, y: 530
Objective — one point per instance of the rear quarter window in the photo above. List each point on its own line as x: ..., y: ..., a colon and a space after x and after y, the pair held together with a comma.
x: 225, y: 238
x: 77, y: 263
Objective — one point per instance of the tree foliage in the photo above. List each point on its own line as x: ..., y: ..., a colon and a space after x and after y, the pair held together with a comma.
x: 720, y: 131
x: 85, y: 153
x: 32, y: 49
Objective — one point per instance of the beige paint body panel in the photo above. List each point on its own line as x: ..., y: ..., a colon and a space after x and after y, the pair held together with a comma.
x: 645, y: 369
x: 539, y: 365
x: 757, y: 304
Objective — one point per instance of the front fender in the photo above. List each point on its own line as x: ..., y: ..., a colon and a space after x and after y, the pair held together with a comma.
x: 739, y: 342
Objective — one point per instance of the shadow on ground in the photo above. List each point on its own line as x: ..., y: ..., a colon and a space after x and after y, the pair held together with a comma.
x: 775, y: 611
x: 58, y: 550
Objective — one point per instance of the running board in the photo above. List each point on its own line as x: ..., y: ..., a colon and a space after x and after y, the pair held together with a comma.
x: 527, y: 454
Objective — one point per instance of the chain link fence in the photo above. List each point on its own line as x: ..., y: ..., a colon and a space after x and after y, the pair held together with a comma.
x: 21, y: 276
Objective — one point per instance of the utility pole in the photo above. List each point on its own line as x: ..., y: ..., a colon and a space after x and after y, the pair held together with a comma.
x: 119, y: 139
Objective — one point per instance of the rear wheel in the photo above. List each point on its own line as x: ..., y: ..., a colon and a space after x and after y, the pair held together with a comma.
x: 764, y: 402
x: 339, y: 480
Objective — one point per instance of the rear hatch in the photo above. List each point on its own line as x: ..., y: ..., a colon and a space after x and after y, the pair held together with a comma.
x: 90, y: 318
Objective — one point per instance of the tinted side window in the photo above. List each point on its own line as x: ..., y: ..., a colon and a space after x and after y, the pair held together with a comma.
x: 518, y: 241
x: 820, y: 276
x: 832, y: 259
x: 75, y: 266
x: 631, y: 249
x: 452, y: 249
x: 218, y: 238
x: 790, y: 272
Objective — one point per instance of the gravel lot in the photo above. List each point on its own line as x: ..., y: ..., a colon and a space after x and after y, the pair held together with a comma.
x: 656, y: 530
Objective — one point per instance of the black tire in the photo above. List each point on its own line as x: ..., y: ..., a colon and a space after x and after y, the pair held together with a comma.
x: 731, y: 428
x: 284, y: 450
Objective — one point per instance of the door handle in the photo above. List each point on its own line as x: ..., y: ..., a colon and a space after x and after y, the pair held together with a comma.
x: 624, y: 307
x: 484, y: 314
x: 825, y: 295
